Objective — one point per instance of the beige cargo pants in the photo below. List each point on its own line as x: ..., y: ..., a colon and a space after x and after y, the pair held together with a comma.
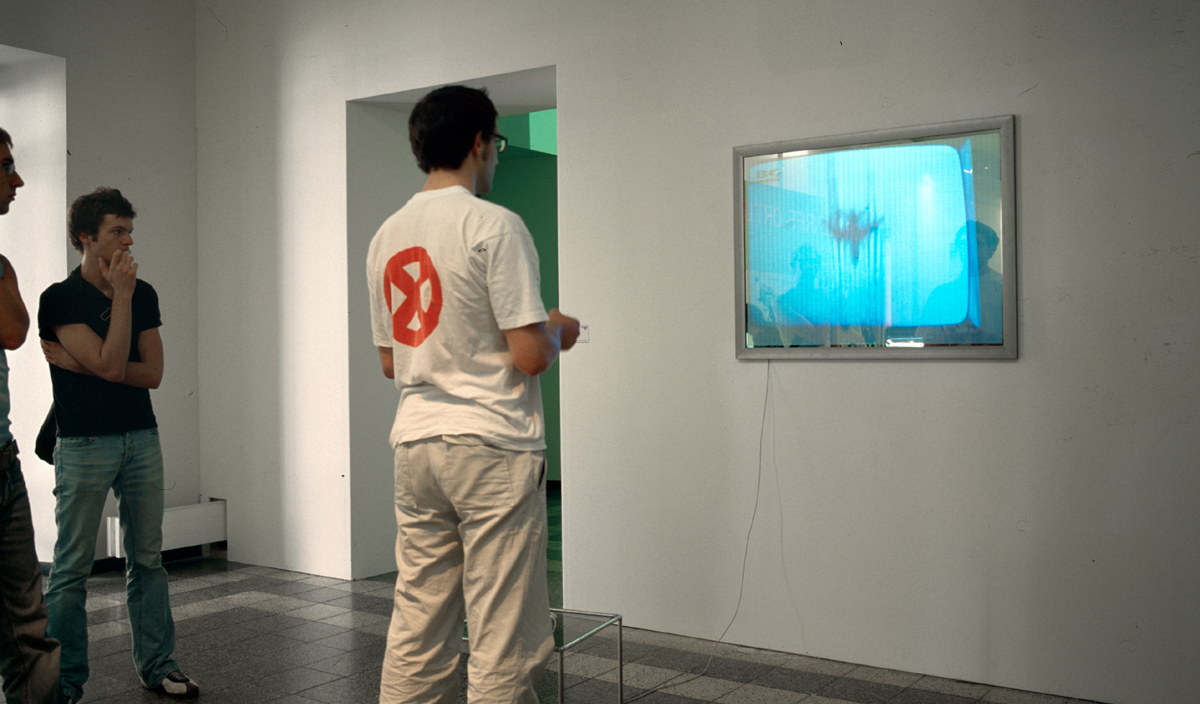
x: 471, y: 540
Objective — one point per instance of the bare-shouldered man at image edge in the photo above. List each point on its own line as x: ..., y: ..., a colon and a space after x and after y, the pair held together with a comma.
x: 28, y: 659
x: 459, y: 323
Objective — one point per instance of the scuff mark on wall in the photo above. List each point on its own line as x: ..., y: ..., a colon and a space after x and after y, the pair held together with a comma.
x: 218, y: 19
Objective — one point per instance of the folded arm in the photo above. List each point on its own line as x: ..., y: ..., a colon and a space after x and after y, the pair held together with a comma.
x: 146, y: 374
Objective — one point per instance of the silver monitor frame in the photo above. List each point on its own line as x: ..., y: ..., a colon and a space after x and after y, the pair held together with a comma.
x: 1008, y: 235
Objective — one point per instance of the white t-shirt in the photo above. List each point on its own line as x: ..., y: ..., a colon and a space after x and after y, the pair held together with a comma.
x: 448, y: 273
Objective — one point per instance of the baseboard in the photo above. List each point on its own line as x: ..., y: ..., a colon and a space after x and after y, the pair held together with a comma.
x: 183, y: 527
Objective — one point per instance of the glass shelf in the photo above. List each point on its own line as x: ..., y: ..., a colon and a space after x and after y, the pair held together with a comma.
x: 573, y: 627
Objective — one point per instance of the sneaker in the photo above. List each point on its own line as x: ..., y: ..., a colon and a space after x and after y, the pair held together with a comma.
x: 177, y: 685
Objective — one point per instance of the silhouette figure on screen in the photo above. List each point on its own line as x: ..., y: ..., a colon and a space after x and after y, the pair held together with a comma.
x: 955, y: 295
x: 794, y: 307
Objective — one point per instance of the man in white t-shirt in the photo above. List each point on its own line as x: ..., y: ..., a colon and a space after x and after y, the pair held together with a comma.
x: 459, y: 323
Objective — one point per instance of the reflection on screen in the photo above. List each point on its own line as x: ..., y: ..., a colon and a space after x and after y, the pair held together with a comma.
x: 885, y: 245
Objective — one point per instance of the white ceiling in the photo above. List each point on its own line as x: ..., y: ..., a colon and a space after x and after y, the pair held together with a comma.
x: 513, y: 93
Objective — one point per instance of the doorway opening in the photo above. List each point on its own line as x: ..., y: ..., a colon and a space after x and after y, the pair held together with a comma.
x: 527, y: 183
x: 381, y: 175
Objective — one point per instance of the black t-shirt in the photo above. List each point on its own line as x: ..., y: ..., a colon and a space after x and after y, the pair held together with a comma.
x: 89, y: 405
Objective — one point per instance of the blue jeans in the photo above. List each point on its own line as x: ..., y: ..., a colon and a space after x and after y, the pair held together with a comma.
x: 84, y: 470
x: 28, y: 659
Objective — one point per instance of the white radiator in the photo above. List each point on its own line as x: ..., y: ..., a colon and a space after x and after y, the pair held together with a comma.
x: 183, y: 526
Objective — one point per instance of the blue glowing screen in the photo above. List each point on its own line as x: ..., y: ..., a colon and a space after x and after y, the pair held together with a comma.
x: 850, y: 246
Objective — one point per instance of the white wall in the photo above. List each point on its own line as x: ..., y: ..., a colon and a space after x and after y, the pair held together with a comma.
x: 33, y: 109
x: 1023, y: 524
x: 1027, y: 524
x: 272, y: 270
x: 130, y: 124
x: 376, y: 146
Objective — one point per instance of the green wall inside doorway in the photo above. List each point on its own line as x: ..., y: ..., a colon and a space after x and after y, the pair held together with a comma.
x: 526, y: 182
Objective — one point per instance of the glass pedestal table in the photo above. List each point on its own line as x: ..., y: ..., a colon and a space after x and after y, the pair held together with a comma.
x: 574, y: 627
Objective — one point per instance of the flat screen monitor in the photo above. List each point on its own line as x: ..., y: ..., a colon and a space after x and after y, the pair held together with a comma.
x: 895, y: 244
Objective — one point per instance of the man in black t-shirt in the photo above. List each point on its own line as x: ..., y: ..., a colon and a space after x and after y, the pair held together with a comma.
x: 99, y: 331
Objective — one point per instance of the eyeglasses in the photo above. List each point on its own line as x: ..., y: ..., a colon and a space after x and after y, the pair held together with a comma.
x: 10, y: 167
x: 501, y: 143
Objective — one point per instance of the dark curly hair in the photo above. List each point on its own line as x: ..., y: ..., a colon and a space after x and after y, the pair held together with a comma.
x: 88, y: 211
x: 443, y: 126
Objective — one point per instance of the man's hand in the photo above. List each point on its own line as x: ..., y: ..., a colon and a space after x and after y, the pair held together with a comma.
x: 534, y: 347
x: 568, y: 329
x: 58, y: 355
x: 121, y: 273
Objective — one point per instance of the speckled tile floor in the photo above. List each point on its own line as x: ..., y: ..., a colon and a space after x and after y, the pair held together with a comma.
x: 251, y: 634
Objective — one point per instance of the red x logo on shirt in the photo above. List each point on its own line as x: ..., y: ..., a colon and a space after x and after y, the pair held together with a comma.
x: 415, y: 315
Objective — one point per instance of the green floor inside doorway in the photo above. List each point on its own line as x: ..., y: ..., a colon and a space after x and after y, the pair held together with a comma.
x: 554, y: 567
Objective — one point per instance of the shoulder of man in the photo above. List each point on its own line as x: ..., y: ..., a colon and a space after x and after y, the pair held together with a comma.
x: 496, y: 219
x: 146, y: 313
x: 143, y: 288
x: 59, y: 293
x: 495, y: 208
x: 55, y: 306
